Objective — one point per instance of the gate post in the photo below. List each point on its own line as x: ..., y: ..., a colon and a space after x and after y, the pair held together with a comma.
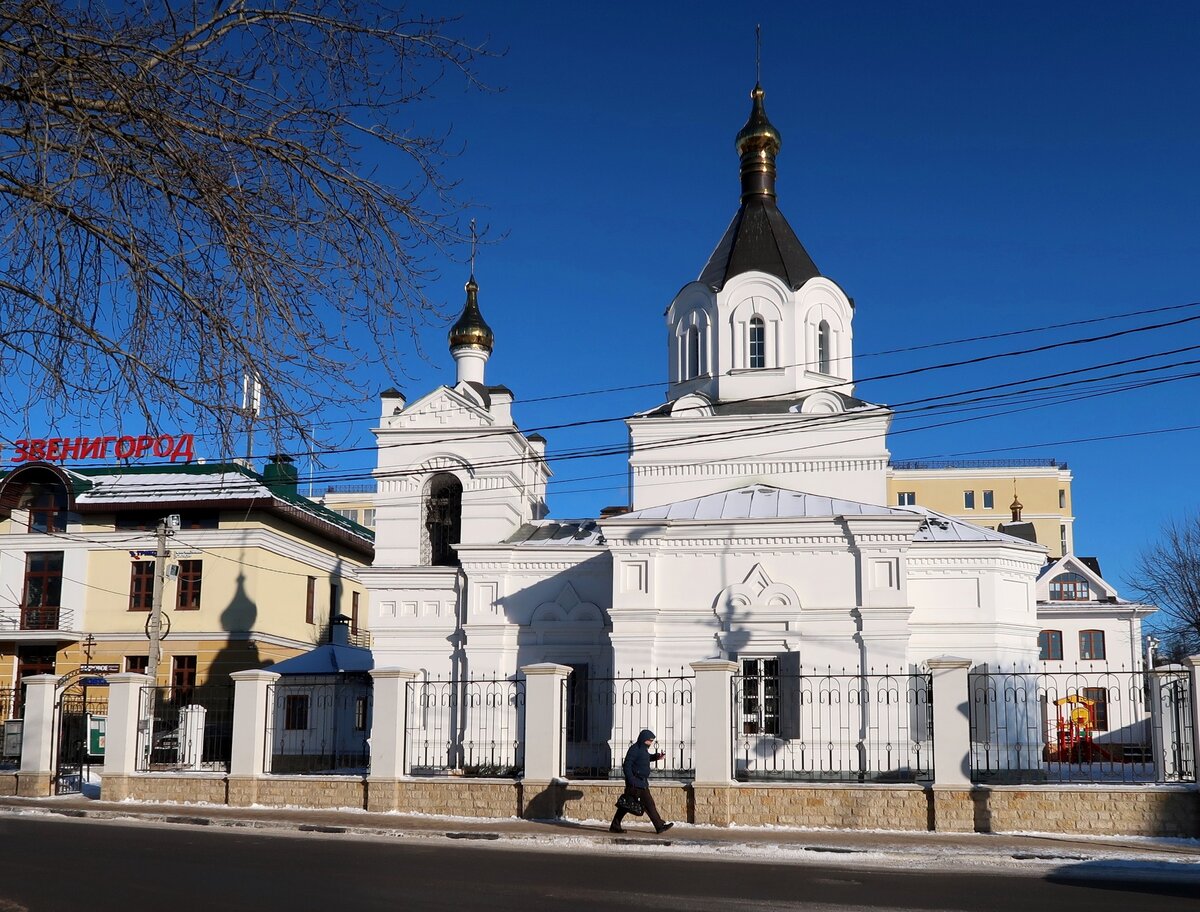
x: 121, y: 739
x: 953, y: 809
x: 37, y: 737
x: 713, y: 736
x: 389, y: 724
x: 1193, y: 664
x: 545, y: 740
x: 251, y: 718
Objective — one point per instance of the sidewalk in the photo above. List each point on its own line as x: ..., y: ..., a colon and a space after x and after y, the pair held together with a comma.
x: 876, y: 847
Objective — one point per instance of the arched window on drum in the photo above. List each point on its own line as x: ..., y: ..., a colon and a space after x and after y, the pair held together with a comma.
x: 824, y: 348
x: 758, y: 342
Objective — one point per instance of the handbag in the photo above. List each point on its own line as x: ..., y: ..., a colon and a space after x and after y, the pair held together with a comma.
x: 631, y: 804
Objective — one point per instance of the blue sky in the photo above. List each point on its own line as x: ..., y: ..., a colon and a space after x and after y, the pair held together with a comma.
x: 959, y: 169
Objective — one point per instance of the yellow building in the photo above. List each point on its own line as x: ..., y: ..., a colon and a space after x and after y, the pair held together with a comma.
x: 983, y: 491
x: 253, y: 574
x: 356, y: 502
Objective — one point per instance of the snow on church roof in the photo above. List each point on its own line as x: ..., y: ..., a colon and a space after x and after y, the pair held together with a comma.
x: 766, y: 502
x: 557, y: 533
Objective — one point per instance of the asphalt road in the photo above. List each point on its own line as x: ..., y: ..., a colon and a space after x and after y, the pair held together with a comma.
x: 52, y: 864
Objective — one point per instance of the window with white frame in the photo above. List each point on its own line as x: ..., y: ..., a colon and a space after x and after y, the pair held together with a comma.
x: 824, y: 348
x: 968, y: 500
x: 758, y: 342
x: 906, y: 498
x: 989, y: 500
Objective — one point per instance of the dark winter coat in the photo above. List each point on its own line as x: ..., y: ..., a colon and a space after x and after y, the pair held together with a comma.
x: 637, y: 761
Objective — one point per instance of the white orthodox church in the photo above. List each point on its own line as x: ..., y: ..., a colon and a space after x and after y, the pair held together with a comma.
x: 758, y: 524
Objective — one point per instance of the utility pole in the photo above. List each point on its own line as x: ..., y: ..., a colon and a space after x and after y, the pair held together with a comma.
x: 166, y: 527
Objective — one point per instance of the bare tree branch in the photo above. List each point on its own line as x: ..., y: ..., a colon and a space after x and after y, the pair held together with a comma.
x: 184, y: 199
x: 1167, y: 574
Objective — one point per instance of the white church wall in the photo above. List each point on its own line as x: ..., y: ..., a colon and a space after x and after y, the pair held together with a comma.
x: 676, y: 459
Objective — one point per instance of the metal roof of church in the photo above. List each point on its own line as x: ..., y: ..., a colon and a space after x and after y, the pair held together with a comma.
x: 759, y: 239
x: 767, y: 502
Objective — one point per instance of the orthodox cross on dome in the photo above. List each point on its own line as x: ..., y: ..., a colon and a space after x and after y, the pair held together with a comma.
x: 474, y: 243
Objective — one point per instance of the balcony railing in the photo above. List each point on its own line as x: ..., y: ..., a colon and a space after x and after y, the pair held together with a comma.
x: 977, y: 464
x: 40, y: 618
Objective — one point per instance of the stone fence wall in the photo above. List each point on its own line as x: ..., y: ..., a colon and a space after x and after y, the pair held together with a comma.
x: 1172, y: 810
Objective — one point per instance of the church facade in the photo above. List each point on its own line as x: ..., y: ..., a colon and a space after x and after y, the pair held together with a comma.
x: 758, y: 525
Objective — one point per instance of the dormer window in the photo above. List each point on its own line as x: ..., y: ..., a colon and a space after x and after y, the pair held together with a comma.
x: 758, y: 342
x: 1069, y: 587
x: 823, y: 348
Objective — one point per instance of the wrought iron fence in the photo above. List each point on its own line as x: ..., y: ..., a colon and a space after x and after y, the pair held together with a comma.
x: 10, y: 703
x: 468, y: 727
x: 827, y: 726
x: 319, y: 726
x: 185, y: 729
x: 604, y: 715
x: 1093, y: 725
x: 10, y: 711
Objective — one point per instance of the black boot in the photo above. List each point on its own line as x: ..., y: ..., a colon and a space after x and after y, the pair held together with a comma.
x: 615, y: 826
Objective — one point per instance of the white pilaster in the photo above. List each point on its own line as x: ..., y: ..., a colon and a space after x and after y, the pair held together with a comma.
x: 713, y: 725
x: 1193, y: 664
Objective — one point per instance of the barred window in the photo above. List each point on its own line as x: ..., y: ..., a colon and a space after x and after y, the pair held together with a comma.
x: 760, y: 696
x: 295, y: 712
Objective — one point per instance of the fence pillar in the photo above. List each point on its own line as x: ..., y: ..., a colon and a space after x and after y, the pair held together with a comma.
x: 37, y: 737
x: 121, y: 739
x: 953, y: 809
x: 545, y: 731
x: 713, y: 725
x: 1193, y: 664
x: 251, y: 718
x: 389, y: 726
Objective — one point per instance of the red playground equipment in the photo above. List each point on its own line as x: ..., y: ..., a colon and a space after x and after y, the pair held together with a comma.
x: 1076, y: 722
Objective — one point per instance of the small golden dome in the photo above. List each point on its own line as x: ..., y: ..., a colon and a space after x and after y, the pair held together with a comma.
x: 758, y: 142
x: 471, y: 329
x: 759, y: 134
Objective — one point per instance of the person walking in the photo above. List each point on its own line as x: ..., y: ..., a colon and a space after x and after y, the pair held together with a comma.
x: 637, y: 781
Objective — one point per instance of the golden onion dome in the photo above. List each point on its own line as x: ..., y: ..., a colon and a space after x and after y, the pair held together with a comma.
x: 472, y: 330
x: 757, y: 143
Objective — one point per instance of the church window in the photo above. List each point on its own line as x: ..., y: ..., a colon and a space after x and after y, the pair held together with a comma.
x: 824, y: 342
x: 1069, y: 587
x: 1062, y: 538
x: 443, y: 520
x: 1091, y: 645
x: 692, y: 367
x: 1050, y: 645
x: 760, y: 696
x: 758, y: 342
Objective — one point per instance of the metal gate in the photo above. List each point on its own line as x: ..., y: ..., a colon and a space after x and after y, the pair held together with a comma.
x: 73, y: 756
